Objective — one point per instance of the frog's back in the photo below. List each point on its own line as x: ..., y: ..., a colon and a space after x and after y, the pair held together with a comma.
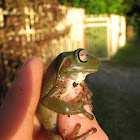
x: 48, y: 117
x: 50, y: 76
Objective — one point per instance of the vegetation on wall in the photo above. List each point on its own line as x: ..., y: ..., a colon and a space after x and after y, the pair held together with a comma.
x: 15, y: 47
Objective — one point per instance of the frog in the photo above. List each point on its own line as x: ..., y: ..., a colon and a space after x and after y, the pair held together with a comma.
x: 66, y: 71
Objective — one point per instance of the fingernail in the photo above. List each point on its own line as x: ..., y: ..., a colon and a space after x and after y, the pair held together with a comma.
x: 30, y: 56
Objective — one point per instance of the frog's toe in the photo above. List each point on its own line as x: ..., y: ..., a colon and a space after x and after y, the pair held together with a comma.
x: 74, y: 135
x: 89, y: 115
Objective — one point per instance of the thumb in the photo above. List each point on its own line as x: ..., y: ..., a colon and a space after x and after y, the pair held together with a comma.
x: 17, y: 111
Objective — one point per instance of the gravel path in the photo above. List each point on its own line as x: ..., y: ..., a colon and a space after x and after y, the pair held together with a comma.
x: 120, y: 79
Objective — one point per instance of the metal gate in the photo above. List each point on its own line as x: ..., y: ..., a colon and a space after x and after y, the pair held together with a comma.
x: 97, y: 36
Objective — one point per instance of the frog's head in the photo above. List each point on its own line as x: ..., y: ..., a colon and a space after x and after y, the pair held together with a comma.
x: 78, y: 61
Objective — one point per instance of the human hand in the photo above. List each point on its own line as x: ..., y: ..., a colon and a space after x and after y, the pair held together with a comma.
x: 17, y: 113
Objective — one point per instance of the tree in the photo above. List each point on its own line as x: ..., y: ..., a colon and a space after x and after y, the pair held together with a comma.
x: 133, y: 16
x: 95, y: 6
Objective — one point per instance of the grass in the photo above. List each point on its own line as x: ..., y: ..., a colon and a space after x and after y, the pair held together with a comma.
x: 118, y: 114
x: 129, y: 55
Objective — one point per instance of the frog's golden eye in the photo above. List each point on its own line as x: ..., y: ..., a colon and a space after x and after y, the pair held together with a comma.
x: 83, y: 56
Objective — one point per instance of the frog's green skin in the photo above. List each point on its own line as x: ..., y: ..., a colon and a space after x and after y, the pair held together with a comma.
x: 65, y: 69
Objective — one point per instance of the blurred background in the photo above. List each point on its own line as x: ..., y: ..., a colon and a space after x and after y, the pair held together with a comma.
x: 108, y: 29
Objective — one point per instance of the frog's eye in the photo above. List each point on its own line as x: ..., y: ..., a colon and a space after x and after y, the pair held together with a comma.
x: 83, y: 57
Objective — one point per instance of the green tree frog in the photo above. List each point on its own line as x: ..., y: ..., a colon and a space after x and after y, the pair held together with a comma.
x: 66, y: 71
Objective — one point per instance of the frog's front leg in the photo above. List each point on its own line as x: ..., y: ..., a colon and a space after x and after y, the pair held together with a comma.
x: 62, y: 107
x: 84, y: 95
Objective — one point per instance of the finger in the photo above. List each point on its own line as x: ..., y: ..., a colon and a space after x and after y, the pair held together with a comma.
x: 17, y: 112
x: 68, y: 123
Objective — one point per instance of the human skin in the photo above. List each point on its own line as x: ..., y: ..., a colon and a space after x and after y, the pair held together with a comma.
x: 18, y: 118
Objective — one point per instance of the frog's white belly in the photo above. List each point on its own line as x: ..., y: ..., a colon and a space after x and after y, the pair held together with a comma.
x: 79, y: 79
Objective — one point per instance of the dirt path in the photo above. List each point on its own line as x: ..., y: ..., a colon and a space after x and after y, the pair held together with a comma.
x: 116, y: 78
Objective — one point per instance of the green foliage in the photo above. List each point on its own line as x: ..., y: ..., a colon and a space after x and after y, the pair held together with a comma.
x: 96, y: 6
x: 128, y: 55
x: 103, y: 6
x: 117, y: 113
x: 126, y: 6
x: 63, y: 2
x: 114, y: 6
x: 134, y: 20
x: 133, y: 17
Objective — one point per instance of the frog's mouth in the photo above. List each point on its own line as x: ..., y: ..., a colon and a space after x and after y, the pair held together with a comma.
x: 84, y: 70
